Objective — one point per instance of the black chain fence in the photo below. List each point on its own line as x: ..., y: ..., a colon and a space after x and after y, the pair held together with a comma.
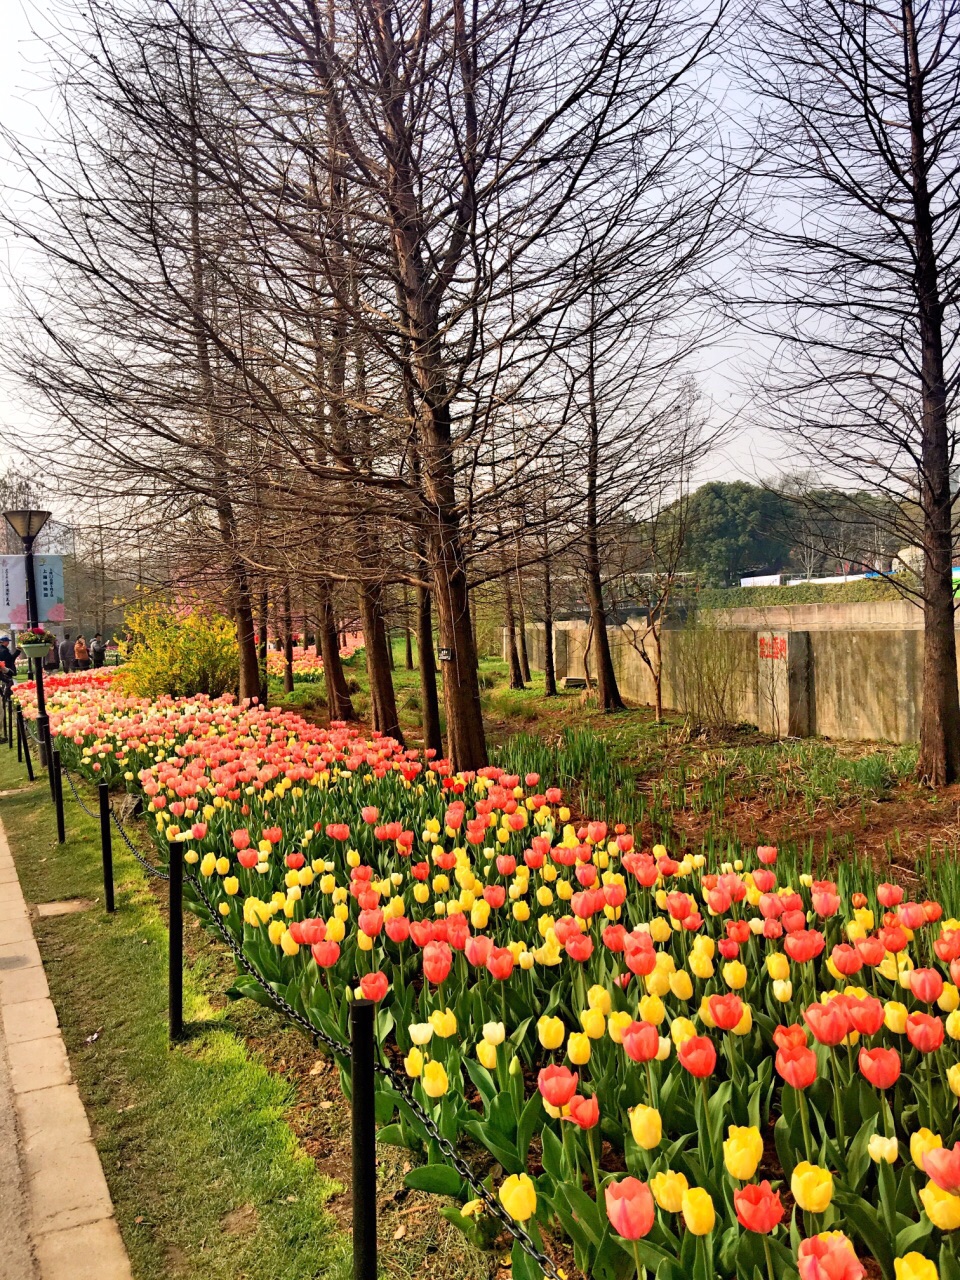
x: 402, y: 1086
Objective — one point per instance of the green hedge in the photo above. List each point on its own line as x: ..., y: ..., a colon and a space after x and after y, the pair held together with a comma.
x: 865, y: 590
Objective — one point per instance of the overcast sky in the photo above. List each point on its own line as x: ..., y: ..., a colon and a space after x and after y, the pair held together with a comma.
x: 748, y: 454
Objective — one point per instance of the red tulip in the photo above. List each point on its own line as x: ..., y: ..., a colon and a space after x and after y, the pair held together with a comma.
x: 924, y: 1032
x: 865, y: 1014
x: 889, y: 895
x: 880, y: 1066
x: 698, y: 1056
x: 767, y: 853
x: 630, y: 1208
x: 338, y: 831
x: 557, y: 1085
x: 942, y: 1166
x: 802, y: 945
x: 584, y: 1112
x: 437, y: 959
x: 893, y: 938
x: 248, y: 858
x: 791, y: 1037
x: 374, y: 985
x: 828, y: 1257
x: 758, y: 1207
x: 370, y: 922
x: 726, y: 1011
x: 926, y: 985
x: 846, y: 959
x: 398, y: 928
x: 370, y: 813
x: 947, y: 946
x: 828, y: 1022
x: 500, y: 963
x: 641, y: 1040
x: 798, y: 1067
x: 241, y: 839
x: 579, y: 948
x: 326, y: 953
x: 478, y: 948
x: 871, y: 950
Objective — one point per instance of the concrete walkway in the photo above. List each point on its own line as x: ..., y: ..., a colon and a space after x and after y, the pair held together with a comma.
x: 56, y: 1216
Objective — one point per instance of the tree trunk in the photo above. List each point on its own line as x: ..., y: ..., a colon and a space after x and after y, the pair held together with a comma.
x: 383, y: 703
x: 391, y: 660
x: 658, y: 674
x: 246, y: 637
x: 939, y: 761
x: 287, y: 640
x: 263, y: 623
x: 428, y: 674
x: 407, y: 632
x: 522, y: 631
x: 509, y: 622
x: 339, y: 705
x: 608, y: 692
x: 549, y: 671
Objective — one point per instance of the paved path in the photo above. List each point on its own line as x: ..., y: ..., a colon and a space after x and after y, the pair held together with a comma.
x: 56, y: 1216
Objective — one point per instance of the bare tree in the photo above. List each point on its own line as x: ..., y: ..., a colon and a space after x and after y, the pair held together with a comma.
x: 860, y: 263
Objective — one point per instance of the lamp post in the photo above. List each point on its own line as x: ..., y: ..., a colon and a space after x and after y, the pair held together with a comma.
x: 26, y: 525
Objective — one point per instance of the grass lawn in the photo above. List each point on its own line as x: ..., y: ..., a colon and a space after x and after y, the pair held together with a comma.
x: 207, y: 1177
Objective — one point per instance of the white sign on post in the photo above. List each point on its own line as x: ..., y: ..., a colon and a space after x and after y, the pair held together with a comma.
x: 48, y: 575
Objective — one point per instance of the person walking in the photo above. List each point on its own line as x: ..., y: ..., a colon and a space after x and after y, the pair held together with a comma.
x: 66, y: 652
x: 81, y: 654
x: 98, y: 650
x: 8, y: 665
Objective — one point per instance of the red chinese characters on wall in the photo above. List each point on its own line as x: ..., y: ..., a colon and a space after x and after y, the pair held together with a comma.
x: 773, y: 646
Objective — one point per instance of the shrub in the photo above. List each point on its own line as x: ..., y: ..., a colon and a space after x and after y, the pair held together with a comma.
x: 179, y: 653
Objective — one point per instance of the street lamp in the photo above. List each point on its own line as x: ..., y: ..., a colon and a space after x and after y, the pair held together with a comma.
x: 26, y: 525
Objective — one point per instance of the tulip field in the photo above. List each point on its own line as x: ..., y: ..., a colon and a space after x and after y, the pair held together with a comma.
x: 664, y: 1062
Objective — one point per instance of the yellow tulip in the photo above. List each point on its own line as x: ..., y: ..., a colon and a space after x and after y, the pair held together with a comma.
x: 599, y: 998
x: 953, y: 1025
x: 659, y: 929
x: 651, y: 1009
x: 413, y: 1062
x: 783, y: 990
x: 617, y: 1023
x: 518, y: 1196
x: 593, y: 1022
x: 646, y: 1126
x: 231, y: 885
x: 880, y: 1148
x: 949, y: 998
x: 487, y: 1054
x: 953, y: 1079
x: 681, y: 984
x: 701, y: 966
x: 682, y: 1029
x: 494, y: 1033
x: 778, y: 966
x: 895, y: 1017
x: 922, y: 1141
x: 444, y: 1023
x: 914, y: 1266
x: 699, y: 1214
x: 941, y: 1207
x: 735, y: 974
x: 812, y: 1187
x: 745, y: 1025
x: 742, y: 1151
x: 551, y: 1032
x: 668, y: 1188
x: 434, y: 1079
x: 578, y: 1048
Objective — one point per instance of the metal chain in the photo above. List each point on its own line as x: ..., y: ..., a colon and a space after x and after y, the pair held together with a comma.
x: 147, y: 866
x: 76, y: 794
x: 490, y: 1201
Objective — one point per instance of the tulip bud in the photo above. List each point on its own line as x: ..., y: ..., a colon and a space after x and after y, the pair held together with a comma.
x: 880, y: 1149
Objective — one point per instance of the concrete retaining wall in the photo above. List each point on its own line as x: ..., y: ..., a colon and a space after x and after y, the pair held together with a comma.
x: 854, y: 684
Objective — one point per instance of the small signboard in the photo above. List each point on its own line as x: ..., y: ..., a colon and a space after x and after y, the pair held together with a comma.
x: 48, y: 575
x: 446, y: 655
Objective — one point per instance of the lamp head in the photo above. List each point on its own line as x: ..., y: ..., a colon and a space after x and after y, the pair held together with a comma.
x: 26, y: 524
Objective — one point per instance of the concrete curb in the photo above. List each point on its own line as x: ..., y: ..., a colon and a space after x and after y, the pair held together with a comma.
x: 64, y: 1207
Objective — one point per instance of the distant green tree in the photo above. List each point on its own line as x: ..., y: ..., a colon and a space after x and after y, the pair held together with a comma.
x: 735, y: 529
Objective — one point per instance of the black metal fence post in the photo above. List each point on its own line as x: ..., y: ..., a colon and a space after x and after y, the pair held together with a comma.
x: 25, y: 741
x: 56, y: 775
x: 176, y: 942
x: 19, y: 736
x: 106, y: 845
x: 364, y: 1141
x: 46, y: 757
x: 8, y: 723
